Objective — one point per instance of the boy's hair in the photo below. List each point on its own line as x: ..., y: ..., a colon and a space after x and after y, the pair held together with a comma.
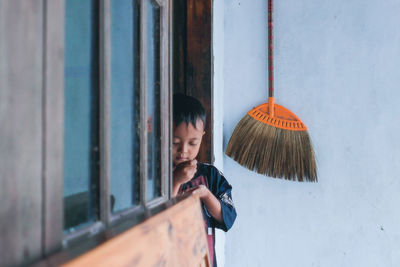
x: 188, y: 109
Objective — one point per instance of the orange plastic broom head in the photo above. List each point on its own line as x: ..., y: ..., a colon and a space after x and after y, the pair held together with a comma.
x: 277, y: 116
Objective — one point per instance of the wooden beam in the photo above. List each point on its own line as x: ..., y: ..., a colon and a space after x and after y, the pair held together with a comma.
x: 193, y: 59
x: 174, y: 237
x: 105, y: 111
x: 21, y: 82
x: 53, y: 125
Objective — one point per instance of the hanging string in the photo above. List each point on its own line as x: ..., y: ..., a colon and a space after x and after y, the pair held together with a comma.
x: 270, y: 51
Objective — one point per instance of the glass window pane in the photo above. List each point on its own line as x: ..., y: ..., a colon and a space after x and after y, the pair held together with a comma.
x: 81, y: 143
x: 153, y: 101
x: 125, y: 109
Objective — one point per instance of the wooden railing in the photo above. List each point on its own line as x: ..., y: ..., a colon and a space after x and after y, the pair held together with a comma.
x: 173, y: 237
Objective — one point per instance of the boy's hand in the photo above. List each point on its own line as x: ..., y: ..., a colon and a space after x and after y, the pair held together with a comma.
x: 184, y: 171
x: 201, y: 191
x: 212, y: 203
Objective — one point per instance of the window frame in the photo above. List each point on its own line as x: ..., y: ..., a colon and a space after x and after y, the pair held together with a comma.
x: 53, y: 126
x: 53, y: 235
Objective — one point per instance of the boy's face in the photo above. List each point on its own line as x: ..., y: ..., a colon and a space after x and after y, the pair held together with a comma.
x: 186, y: 141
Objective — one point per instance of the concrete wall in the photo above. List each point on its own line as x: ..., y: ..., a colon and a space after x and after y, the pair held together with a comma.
x: 338, y: 69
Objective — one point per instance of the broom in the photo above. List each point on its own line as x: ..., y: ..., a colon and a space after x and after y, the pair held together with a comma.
x: 272, y: 140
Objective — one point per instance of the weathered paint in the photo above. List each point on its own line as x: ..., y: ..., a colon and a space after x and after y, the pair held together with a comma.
x: 21, y: 38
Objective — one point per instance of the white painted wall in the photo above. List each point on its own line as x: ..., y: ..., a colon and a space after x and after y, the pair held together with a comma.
x: 218, y: 108
x: 337, y: 68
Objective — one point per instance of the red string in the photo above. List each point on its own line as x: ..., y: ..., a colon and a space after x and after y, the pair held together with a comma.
x: 270, y: 51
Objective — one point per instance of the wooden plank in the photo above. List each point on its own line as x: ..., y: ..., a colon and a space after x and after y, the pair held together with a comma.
x: 169, y: 101
x: 192, y: 59
x: 174, y: 237
x: 105, y: 111
x: 179, y: 23
x: 143, y: 101
x: 21, y: 33
x: 199, y: 64
x: 165, y: 100
x: 53, y: 146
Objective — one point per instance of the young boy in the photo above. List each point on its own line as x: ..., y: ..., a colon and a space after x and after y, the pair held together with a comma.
x: 201, y: 179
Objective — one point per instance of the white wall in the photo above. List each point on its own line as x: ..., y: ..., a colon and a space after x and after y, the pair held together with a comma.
x: 338, y: 68
x: 218, y: 108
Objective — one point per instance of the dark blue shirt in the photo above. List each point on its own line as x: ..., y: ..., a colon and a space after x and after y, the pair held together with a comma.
x: 211, y: 177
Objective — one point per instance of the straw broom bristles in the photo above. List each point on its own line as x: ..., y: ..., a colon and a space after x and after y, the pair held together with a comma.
x: 272, y: 140
x: 273, y: 151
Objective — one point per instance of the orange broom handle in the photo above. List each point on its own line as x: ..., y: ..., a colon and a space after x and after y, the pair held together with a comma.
x: 270, y: 60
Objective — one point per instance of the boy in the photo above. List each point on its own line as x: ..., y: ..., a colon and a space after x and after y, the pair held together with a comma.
x: 201, y: 179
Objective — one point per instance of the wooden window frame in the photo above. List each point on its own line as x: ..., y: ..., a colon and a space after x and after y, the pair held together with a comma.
x: 53, y: 237
x: 53, y: 126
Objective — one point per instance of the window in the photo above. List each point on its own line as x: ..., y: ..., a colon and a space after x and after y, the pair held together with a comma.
x: 81, y: 119
x: 85, y: 101
x: 153, y: 86
x: 125, y: 104
x: 117, y: 101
